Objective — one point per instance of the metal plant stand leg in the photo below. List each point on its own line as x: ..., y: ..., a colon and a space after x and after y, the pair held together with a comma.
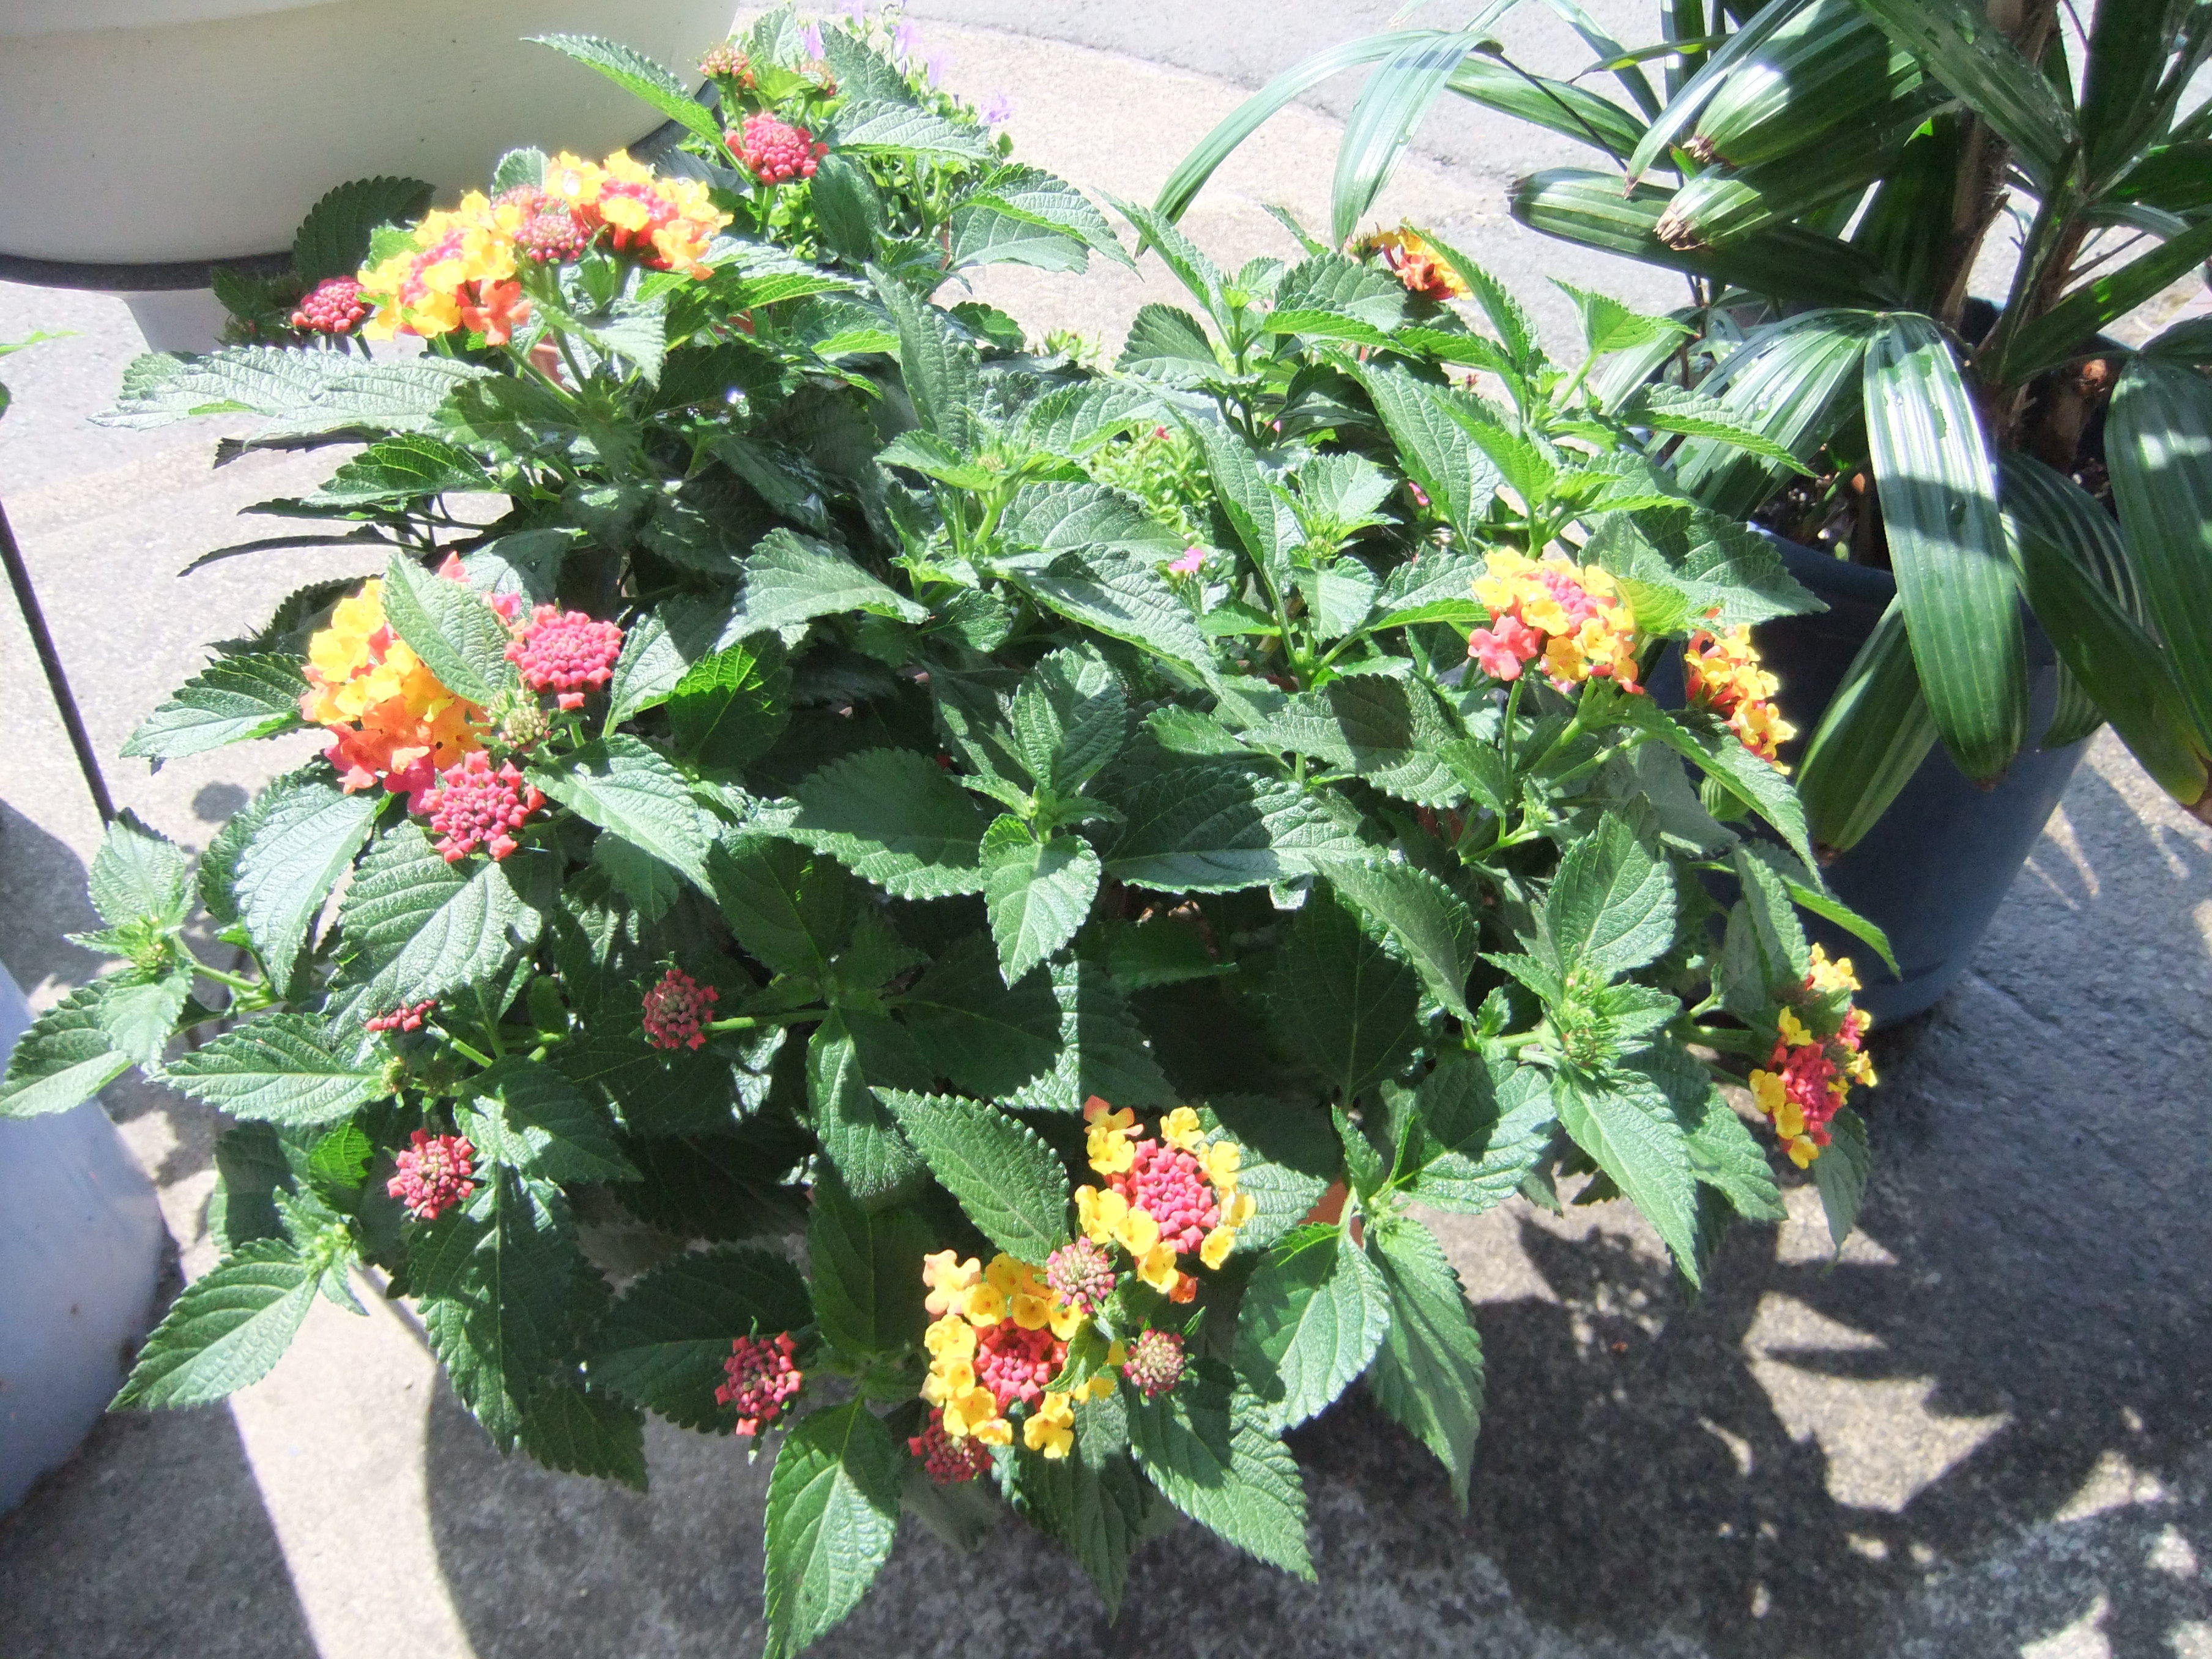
x: 26, y: 601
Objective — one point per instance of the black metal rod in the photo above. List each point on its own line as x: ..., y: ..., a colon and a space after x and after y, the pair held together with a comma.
x: 42, y: 642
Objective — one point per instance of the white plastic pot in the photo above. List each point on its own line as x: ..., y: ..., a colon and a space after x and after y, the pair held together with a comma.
x: 146, y: 132
x: 80, y: 1252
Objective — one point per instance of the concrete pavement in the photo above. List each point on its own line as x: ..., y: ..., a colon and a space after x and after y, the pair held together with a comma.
x: 1983, y: 1432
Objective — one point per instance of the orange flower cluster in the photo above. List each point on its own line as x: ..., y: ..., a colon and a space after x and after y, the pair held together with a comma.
x: 1425, y: 274
x: 389, y: 721
x: 1818, y: 1054
x: 1573, y: 616
x: 463, y: 268
x: 1724, y: 675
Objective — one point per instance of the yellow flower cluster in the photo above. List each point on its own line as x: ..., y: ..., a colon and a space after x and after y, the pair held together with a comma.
x: 390, y: 720
x: 999, y: 1336
x: 1574, y: 616
x: 1724, y: 674
x: 1162, y: 1198
x: 1808, y: 1077
x: 463, y: 269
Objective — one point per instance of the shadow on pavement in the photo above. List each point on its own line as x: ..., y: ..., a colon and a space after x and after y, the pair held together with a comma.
x: 151, y: 1543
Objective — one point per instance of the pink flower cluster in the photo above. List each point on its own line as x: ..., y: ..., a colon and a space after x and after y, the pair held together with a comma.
x: 1155, y: 1362
x: 1015, y: 1364
x: 474, y: 805
x: 434, y: 1174
x: 776, y: 152
x: 333, y: 307
x: 407, y: 1017
x: 762, y: 1380
x: 1170, y: 1185
x: 1081, y: 1274
x: 947, y: 1462
x: 675, y: 1009
x: 566, y: 651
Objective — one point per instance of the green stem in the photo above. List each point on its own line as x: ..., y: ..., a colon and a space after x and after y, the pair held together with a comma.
x: 469, y: 1053
x: 236, y: 982
x: 759, y: 1022
x: 1512, y: 713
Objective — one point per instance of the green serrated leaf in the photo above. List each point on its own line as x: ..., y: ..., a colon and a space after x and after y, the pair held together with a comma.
x: 865, y: 1269
x: 1219, y: 1457
x: 1480, y: 1128
x: 893, y: 818
x: 451, y: 627
x: 532, y: 1119
x: 1217, y: 826
x: 1428, y: 1372
x: 1612, y: 906
x: 1349, y: 1003
x: 139, y: 875
x: 279, y: 1069
x: 1313, y: 1313
x: 628, y: 788
x: 1011, y: 1184
x: 578, y: 1432
x: 791, y: 578
x: 232, y: 700
x: 638, y: 76
x: 306, y: 832
x: 1636, y: 1140
x: 494, y: 1282
x: 1038, y: 894
x: 859, y: 1136
x: 63, y: 1059
x: 1841, y: 1170
x: 1103, y: 1051
x: 230, y: 1326
x: 833, y: 1503
x: 417, y: 926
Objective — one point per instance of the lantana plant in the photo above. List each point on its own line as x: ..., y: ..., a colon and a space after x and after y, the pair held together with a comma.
x: 1025, y: 878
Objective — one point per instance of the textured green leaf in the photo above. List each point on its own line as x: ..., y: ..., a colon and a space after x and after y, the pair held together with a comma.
x: 1947, y: 540
x: 1291, y: 1155
x: 833, y: 1503
x: 662, y: 1342
x: 1011, y: 1184
x: 63, y: 1059
x: 791, y: 578
x: 1216, y: 827
x: 1057, y: 517
x: 858, y: 1135
x: 1121, y: 596
x: 1428, y: 1372
x: 403, y: 468
x: 1029, y: 196
x: 865, y: 1270
x: 1076, y: 419
x: 1218, y: 1458
x: 1345, y: 1001
x: 226, y: 1329
x: 332, y: 241
x: 139, y: 874
x: 982, y: 234
x: 624, y: 785
x: 893, y: 818
x: 532, y: 1119
x: 1479, y: 1129
x: 451, y: 627
x: 300, y: 393
x: 230, y: 701
x: 641, y: 77
x: 987, y: 1036
x: 1429, y: 923
x: 1635, y: 1139
x: 1377, y: 726
x: 1168, y: 345
x: 494, y: 1282
x: 943, y: 374
x: 417, y: 926
x: 1612, y: 906
x: 280, y: 1069
x: 306, y: 832
x: 899, y: 129
x: 728, y: 709
x: 793, y: 909
x: 1841, y: 1171
x: 1103, y: 1049
x: 1069, y: 718
x: 1725, y: 1157
x: 1458, y: 479
x: 1099, y: 1507
x: 1039, y: 893
x: 1708, y: 562
x: 581, y: 1433
x: 139, y: 1014
x: 1313, y: 1313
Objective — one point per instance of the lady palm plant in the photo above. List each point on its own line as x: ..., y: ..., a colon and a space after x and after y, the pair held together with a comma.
x: 1826, y: 172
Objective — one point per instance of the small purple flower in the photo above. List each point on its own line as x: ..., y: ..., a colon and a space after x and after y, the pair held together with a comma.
x: 809, y: 39
x: 999, y: 111
x: 904, y: 39
x: 938, y: 62
x: 1189, y: 564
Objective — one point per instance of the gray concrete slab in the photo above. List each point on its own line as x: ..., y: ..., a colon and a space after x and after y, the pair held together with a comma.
x: 1983, y: 1432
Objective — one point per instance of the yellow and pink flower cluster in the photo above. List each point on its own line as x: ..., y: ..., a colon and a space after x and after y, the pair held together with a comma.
x: 1162, y: 1199
x: 1818, y: 1054
x: 1413, y: 261
x: 1572, y: 617
x: 1724, y: 674
x: 996, y: 1339
x: 389, y: 721
x: 463, y: 269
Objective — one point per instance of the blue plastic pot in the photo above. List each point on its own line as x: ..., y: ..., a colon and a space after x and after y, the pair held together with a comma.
x: 1932, y: 872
